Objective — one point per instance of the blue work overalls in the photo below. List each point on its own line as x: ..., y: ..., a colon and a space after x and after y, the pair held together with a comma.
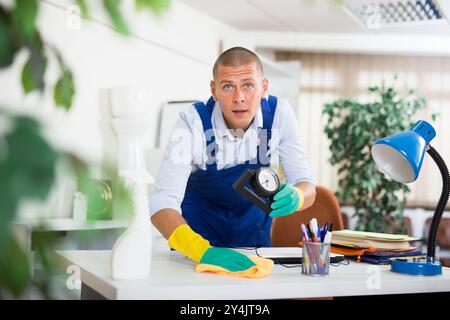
x: 212, y: 207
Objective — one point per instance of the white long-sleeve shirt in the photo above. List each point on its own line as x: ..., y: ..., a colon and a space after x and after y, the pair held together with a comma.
x: 186, y: 151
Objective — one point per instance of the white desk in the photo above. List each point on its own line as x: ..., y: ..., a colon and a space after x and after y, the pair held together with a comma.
x: 173, y: 277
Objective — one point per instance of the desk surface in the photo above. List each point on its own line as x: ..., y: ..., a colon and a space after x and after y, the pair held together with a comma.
x: 173, y: 277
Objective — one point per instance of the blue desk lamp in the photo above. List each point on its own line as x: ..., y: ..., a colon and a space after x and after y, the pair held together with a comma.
x: 400, y: 156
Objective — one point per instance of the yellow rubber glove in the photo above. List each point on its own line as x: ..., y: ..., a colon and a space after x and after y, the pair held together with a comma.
x: 195, y: 247
x: 188, y: 242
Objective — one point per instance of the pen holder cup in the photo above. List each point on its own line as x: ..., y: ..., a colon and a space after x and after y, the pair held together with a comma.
x: 316, y: 258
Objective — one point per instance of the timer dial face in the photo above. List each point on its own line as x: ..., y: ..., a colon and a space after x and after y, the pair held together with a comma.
x: 267, y: 181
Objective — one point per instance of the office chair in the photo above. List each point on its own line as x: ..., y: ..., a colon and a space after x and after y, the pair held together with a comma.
x: 443, y: 239
x: 285, y: 230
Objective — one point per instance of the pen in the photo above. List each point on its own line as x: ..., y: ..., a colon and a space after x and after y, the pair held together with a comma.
x: 304, y: 233
x: 324, y: 231
x: 327, y: 238
x: 315, y: 249
x: 306, y: 247
x: 310, y: 234
x: 313, y: 226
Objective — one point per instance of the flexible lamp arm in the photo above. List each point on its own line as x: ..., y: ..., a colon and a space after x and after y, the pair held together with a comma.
x: 431, y: 250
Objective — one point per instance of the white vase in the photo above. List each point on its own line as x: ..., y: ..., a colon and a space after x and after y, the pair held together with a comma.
x: 129, y: 102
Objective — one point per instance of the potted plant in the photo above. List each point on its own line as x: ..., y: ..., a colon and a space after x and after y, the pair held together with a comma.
x: 351, y: 127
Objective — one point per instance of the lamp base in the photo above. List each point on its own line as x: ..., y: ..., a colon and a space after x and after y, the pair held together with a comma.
x: 416, y: 267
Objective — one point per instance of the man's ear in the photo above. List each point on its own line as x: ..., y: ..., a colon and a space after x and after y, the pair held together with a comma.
x: 212, y: 86
x: 265, y: 86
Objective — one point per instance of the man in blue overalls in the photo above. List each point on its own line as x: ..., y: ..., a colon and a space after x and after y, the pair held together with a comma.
x: 194, y: 205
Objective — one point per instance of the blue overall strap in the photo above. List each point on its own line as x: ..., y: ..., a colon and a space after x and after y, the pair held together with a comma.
x: 268, y: 107
x: 205, y: 113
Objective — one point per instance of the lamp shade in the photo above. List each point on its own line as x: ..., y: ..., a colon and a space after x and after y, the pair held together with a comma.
x: 400, y: 156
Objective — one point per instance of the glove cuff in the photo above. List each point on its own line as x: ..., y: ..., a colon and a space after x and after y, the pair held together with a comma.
x: 188, y: 242
x: 301, y: 198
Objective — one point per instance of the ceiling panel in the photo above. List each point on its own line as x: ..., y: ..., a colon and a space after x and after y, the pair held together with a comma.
x: 308, y: 15
x: 325, y: 16
x: 240, y: 14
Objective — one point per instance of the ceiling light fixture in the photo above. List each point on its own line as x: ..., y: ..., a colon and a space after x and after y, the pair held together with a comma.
x: 375, y: 14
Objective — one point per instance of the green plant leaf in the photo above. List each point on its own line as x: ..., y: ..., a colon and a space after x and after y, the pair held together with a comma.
x: 155, y: 5
x: 34, y: 69
x: 112, y: 7
x: 33, y: 74
x: 27, y: 168
x: 434, y: 116
x: 64, y: 90
x: 14, y: 267
x: 7, y: 45
x: 24, y: 15
x: 83, y: 8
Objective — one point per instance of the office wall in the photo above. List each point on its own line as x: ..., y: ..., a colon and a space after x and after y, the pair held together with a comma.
x: 326, y: 77
x: 171, y: 55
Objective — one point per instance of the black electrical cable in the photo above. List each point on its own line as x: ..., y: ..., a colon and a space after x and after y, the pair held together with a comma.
x: 431, y: 250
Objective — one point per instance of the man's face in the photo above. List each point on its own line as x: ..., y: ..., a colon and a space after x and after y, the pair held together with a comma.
x: 239, y: 91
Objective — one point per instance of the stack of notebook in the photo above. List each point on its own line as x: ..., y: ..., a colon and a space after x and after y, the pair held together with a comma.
x: 371, y: 247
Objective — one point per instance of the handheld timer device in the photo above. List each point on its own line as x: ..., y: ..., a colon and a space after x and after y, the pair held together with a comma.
x: 264, y: 184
